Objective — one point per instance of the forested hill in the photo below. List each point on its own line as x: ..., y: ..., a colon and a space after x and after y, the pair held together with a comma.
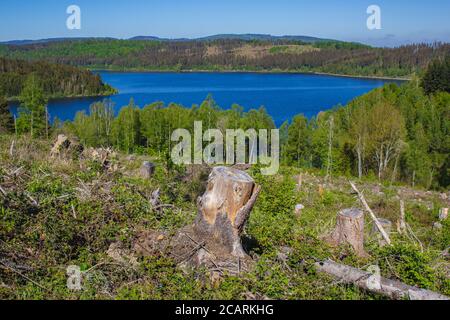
x: 234, y: 55
x: 57, y: 80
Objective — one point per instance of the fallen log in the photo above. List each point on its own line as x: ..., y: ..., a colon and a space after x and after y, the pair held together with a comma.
x: 377, y: 284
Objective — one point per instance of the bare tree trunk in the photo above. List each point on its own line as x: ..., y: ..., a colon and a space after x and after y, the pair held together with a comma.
x: 32, y: 124
x: 375, y: 283
x: 401, y: 225
x: 330, y: 146
x: 225, y: 207
x: 349, y: 229
x: 359, y: 163
x: 387, y: 226
x: 394, y: 172
x: 46, y: 122
x: 15, y: 125
x: 299, y: 182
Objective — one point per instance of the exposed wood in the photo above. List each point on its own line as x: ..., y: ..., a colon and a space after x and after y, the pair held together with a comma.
x: 299, y: 182
x: 349, y: 229
x: 298, y: 210
x: 370, y: 282
x: 387, y: 226
x: 443, y: 214
x: 23, y: 276
x: 11, y: 148
x: 155, y: 199
x: 225, y: 207
x: 414, y: 236
x: 147, y: 170
x: 372, y: 215
x: 401, y: 224
x: 3, y: 192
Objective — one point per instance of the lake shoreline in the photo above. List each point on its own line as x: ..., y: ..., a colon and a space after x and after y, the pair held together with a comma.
x: 251, y: 72
x: 59, y: 97
x: 283, y: 95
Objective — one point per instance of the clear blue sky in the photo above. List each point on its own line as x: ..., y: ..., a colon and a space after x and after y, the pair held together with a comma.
x: 403, y: 21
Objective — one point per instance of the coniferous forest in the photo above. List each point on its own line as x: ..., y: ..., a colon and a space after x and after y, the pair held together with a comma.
x: 232, y: 55
x: 57, y: 80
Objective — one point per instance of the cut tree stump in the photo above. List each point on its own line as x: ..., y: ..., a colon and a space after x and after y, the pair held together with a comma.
x: 66, y: 148
x: 349, y: 230
x: 147, y: 170
x: 225, y: 208
x: 443, y: 214
x: 298, y: 210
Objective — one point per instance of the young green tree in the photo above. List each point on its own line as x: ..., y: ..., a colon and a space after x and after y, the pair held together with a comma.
x: 6, y: 118
x: 386, y: 134
x: 95, y: 129
x: 299, y: 141
x: 127, y: 128
x: 32, y: 115
x: 359, y: 134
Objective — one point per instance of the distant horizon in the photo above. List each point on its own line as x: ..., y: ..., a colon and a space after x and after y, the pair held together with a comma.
x: 156, y: 37
x: 402, y: 22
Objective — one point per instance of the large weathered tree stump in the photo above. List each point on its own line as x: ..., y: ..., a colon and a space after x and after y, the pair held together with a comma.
x: 349, y: 230
x: 66, y: 148
x: 225, y: 208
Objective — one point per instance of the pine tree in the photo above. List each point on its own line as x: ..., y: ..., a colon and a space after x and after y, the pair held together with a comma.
x: 6, y: 118
x: 437, y: 77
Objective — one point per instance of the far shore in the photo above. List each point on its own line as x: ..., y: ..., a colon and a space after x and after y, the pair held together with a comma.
x: 59, y: 97
x: 253, y: 71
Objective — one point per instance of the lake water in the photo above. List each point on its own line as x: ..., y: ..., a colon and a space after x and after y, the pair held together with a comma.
x: 283, y: 95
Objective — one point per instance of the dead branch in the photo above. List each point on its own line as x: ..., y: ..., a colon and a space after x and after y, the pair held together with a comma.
x: 372, y: 215
x: 23, y: 276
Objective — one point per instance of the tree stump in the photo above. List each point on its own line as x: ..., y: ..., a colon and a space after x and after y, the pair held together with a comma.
x: 349, y: 229
x: 147, y: 170
x: 443, y: 214
x: 298, y: 210
x: 225, y: 208
x: 66, y: 148
x: 299, y: 182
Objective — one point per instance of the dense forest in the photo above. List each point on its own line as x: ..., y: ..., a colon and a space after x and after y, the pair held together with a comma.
x: 226, y: 55
x: 411, y: 145
x: 56, y: 80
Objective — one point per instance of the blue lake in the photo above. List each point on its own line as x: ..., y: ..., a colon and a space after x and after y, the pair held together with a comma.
x: 283, y: 95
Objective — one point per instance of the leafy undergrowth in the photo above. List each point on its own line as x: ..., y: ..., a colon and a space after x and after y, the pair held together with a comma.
x: 57, y: 214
